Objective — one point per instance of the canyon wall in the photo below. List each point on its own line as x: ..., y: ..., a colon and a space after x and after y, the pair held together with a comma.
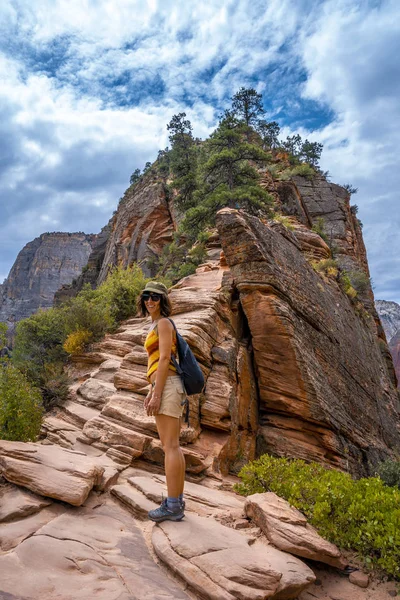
x: 42, y: 266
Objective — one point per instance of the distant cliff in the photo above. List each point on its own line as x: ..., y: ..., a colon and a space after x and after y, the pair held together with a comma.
x: 42, y: 266
x: 389, y: 313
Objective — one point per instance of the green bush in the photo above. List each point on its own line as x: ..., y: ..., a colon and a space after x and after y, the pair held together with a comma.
x: 120, y: 291
x: 38, y: 341
x: 359, y: 280
x: 363, y: 515
x: 304, y: 170
x: 319, y: 227
x: 346, y: 285
x: 389, y: 472
x: 20, y: 406
x: 87, y: 311
x: 328, y: 266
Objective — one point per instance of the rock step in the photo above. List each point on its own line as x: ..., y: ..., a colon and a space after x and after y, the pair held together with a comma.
x: 287, y: 529
x: 77, y: 413
x: 94, y: 393
x: 134, y: 500
x: 154, y: 487
x: 57, y: 431
x: 94, y: 552
x: 218, y: 563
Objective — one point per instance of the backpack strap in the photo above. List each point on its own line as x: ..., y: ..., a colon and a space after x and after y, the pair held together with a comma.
x: 185, y: 402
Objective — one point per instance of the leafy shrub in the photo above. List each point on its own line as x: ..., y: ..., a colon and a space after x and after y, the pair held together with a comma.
x: 389, y: 472
x: 304, y: 171
x: 362, y: 515
x: 77, y: 341
x: 119, y: 292
x: 319, y: 227
x: 38, y: 341
x: 328, y: 266
x: 87, y: 311
x: 359, y: 280
x: 346, y: 285
x: 20, y: 406
x: 286, y: 222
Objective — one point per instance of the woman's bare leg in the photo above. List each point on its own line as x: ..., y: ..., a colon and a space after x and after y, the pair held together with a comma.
x: 168, y: 430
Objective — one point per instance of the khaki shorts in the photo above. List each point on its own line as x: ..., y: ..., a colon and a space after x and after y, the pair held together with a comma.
x: 173, y: 397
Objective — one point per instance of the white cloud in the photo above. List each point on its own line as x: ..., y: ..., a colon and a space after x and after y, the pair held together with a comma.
x: 87, y: 89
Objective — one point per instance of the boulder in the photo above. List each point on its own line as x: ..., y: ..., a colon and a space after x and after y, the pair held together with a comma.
x: 219, y: 564
x: 17, y: 504
x: 95, y: 392
x: 287, y: 529
x: 50, y: 470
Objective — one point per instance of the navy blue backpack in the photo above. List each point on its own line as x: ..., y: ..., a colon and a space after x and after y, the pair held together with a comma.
x: 188, y: 368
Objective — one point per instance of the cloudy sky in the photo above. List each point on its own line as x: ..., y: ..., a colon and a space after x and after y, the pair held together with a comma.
x: 87, y: 87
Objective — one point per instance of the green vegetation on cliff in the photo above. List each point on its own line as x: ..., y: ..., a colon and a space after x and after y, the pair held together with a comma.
x: 20, y: 402
x: 44, y: 341
x: 363, y: 515
x: 223, y: 171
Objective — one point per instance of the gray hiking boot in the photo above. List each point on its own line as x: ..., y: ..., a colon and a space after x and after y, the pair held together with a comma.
x: 163, y: 513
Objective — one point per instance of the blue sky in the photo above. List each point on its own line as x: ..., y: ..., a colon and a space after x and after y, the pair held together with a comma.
x: 86, y: 90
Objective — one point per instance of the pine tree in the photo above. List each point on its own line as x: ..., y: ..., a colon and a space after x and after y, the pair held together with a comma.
x: 311, y: 152
x: 229, y: 179
x: 269, y: 133
x: 247, y: 106
x: 183, y: 160
x: 135, y: 176
x: 293, y: 144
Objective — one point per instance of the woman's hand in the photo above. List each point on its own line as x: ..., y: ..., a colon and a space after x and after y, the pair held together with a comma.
x: 153, y: 406
x: 147, y: 399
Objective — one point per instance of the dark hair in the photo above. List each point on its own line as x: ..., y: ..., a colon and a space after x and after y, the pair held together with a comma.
x: 165, y: 306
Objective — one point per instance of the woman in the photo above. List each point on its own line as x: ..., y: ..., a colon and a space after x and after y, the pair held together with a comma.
x: 166, y: 397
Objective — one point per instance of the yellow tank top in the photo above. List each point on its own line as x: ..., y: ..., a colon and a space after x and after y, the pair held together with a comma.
x: 152, y: 346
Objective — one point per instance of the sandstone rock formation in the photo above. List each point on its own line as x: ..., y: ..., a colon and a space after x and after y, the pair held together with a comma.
x: 325, y: 393
x: 95, y: 551
x: 287, y: 529
x: 42, y: 266
x: 143, y: 224
x: 53, y: 472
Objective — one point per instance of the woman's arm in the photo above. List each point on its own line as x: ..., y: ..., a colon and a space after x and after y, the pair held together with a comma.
x: 165, y: 329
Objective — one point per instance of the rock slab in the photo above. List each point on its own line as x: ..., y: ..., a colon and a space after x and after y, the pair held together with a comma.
x: 50, y: 470
x: 218, y: 563
x: 288, y: 529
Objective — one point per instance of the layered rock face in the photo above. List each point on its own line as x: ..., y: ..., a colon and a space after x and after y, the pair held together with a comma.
x: 41, y: 267
x: 92, y: 268
x: 389, y: 313
x: 142, y: 226
x: 325, y: 390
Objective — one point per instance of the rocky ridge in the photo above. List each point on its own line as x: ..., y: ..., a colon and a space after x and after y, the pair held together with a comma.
x: 264, y: 338
x: 42, y: 266
x: 295, y: 359
x: 92, y: 478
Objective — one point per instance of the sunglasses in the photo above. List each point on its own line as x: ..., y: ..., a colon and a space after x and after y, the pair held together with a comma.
x: 147, y: 295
